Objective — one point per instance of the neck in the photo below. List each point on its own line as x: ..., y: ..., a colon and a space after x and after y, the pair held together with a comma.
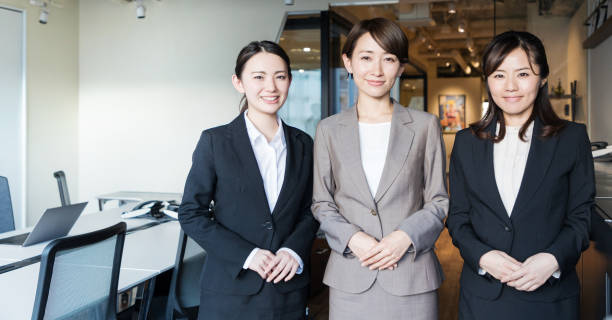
x: 517, y: 120
x: 265, y: 123
x: 373, y: 110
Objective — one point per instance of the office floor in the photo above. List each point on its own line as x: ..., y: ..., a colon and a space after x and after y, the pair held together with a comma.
x: 448, y: 294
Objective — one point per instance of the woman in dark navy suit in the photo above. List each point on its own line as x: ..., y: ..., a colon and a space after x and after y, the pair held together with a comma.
x: 258, y: 172
x: 521, y: 192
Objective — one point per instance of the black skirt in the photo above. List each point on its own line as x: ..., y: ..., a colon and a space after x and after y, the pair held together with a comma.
x: 507, y: 307
x: 267, y: 304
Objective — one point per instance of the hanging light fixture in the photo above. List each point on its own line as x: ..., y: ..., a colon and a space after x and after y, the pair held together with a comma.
x: 451, y: 8
x: 461, y: 26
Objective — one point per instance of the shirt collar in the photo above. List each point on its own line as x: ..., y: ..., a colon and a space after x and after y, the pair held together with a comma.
x: 255, y: 134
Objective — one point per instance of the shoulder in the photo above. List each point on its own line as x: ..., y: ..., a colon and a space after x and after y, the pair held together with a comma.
x: 465, y: 136
x: 299, y: 134
x: 332, y: 120
x: 421, y: 116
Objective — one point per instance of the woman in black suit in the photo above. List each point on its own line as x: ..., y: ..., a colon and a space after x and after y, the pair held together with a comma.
x: 258, y: 172
x: 521, y: 191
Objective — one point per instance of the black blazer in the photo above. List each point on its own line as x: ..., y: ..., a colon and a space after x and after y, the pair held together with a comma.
x: 551, y: 214
x: 225, y: 170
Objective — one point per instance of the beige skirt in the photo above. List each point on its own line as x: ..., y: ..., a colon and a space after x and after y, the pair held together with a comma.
x: 377, y: 304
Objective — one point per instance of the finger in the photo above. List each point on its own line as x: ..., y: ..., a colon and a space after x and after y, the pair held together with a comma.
x: 384, y: 261
x: 283, y: 273
x: 534, y: 287
x: 508, y: 257
x: 389, y: 265
x: 293, y: 272
x: 372, y: 252
x: 520, y: 283
x: 278, y: 269
x: 373, y: 259
x: 512, y: 275
x: 260, y: 272
x: 528, y: 284
x: 271, y: 264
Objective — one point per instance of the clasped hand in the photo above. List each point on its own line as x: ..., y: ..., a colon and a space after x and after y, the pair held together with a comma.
x: 274, y: 267
x: 526, y: 276
x: 380, y: 255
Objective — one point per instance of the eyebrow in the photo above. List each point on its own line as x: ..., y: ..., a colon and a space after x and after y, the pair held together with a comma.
x: 519, y: 69
x: 275, y: 72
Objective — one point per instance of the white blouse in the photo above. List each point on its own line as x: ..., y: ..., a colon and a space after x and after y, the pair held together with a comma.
x: 373, y: 142
x: 510, y: 159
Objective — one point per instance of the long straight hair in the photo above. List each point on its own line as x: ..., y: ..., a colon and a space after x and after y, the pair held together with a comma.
x: 248, y: 52
x: 495, y: 53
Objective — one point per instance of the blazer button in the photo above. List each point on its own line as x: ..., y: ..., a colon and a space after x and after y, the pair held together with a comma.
x: 267, y: 225
x: 373, y: 212
x: 507, y: 228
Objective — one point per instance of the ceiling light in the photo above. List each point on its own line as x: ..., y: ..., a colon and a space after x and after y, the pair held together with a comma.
x: 461, y: 27
x: 468, y: 70
x: 422, y: 38
x: 44, y: 14
x: 140, y: 10
x: 306, y: 49
x: 451, y: 8
x: 447, y: 64
x: 437, y: 52
x: 289, y: 2
x: 430, y: 46
x: 301, y: 70
x: 476, y: 63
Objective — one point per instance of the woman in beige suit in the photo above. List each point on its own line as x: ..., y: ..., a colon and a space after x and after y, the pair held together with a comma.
x: 379, y: 189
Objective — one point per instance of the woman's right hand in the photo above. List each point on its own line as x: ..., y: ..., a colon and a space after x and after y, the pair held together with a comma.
x: 498, y: 264
x: 360, y: 243
x: 260, y: 262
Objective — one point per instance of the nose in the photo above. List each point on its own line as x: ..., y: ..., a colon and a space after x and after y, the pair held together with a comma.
x: 377, y: 68
x: 510, y: 84
x: 270, y: 84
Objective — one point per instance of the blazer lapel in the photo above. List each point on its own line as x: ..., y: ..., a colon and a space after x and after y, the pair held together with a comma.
x: 538, y: 160
x: 295, y: 150
x: 400, y: 142
x: 248, y: 163
x: 349, y: 146
x: 483, y: 162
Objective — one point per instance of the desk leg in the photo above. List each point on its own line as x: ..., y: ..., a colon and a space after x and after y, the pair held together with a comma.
x: 147, y: 296
x: 101, y: 204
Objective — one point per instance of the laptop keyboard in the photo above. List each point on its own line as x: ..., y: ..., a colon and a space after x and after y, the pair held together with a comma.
x: 17, y: 239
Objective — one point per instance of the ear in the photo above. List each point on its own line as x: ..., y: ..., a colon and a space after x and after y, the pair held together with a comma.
x: 347, y: 63
x: 237, y: 83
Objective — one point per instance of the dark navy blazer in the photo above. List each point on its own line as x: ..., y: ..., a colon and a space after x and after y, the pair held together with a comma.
x: 551, y: 213
x: 225, y: 170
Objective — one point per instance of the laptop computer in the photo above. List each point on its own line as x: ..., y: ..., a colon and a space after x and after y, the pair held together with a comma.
x: 53, y: 224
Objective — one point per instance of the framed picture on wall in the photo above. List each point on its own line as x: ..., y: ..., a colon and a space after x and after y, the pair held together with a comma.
x: 452, y: 112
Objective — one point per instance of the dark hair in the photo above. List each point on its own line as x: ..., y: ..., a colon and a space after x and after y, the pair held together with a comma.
x: 494, y: 54
x: 385, y: 32
x: 252, y: 49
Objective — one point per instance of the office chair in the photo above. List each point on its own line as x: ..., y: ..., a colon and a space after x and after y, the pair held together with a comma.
x: 7, y: 221
x: 79, y: 276
x: 63, y: 187
x: 184, y: 295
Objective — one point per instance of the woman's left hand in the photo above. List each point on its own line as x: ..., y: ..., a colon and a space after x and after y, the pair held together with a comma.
x: 284, y: 266
x: 388, y: 251
x: 533, y: 273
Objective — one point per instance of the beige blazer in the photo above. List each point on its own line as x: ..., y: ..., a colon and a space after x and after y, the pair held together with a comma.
x: 411, y: 196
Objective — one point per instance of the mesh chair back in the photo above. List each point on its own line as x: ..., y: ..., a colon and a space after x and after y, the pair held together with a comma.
x: 185, y: 287
x: 79, y: 276
x: 7, y: 221
x: 63, y: 187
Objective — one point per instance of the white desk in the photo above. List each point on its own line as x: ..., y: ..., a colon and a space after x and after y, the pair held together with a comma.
x: 146, y: 253
x: 19, y: 289
x: 136, y: 196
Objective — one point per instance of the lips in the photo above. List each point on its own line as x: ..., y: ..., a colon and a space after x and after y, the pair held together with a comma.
x: 375, y: 83
x: 271, y: 99
x: 513, y: 99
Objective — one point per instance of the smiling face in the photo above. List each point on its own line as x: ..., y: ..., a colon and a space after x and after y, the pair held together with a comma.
x: 514, y: 87
x: 265, y: 82
x: 374, y: 69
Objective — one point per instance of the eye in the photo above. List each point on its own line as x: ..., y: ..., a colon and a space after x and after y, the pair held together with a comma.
x: 258, y: 77
x: 390, y: 59
x: 523, y: 74
x: 281, y: 77
x: 498, y: 76
x: 365, y: 58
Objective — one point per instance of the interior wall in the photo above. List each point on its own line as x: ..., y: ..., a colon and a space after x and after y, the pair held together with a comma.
x: 577, y: 61
x: 149, y: 87
x: 51, y: 104
x: 469, y: 86
x: 600, y: 94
